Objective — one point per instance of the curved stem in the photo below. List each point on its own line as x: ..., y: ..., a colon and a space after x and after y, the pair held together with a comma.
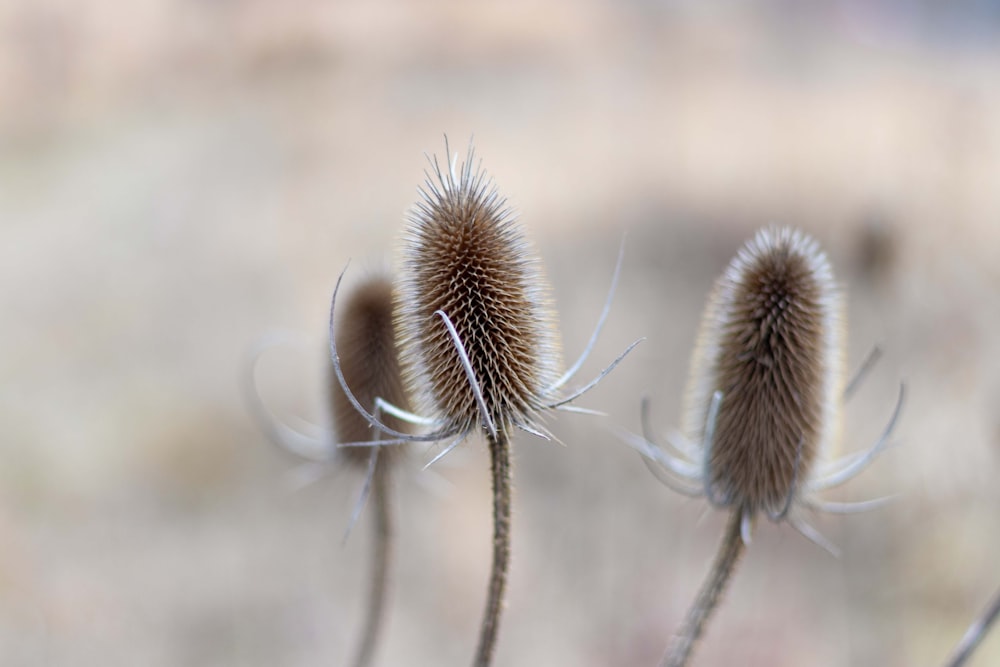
x: 730, y: 550
x: 501, y: 469
x: 381, y: 557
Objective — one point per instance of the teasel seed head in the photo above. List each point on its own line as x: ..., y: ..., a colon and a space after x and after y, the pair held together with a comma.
x: 465, y: 256
x: 365, y: 333
x: 770, y: 350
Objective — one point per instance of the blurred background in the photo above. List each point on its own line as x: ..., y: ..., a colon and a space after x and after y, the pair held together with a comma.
x: 179, y: 178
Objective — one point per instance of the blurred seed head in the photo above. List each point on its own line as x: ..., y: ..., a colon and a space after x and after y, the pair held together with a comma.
x: 370, y: 363
x: 464, y: 254
x: 771, y: 341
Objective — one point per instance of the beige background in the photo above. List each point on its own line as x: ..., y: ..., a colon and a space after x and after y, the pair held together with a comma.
x: 178, y: 179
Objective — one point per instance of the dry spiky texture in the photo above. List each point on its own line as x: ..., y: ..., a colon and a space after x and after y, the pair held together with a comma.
x: 370, y: 363
x: 463, y: 254
x: 771, y: 341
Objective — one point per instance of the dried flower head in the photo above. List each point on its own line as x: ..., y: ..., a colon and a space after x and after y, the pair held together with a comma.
x: 366, y: 337
x: 771, y: 342
x: 366, y: 334
x: 766, y: 385
x: 464, y: 256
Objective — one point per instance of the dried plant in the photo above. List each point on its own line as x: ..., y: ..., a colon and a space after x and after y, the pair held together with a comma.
x: 370, y: 365
x: 762, y: 405
x: 478, y: 340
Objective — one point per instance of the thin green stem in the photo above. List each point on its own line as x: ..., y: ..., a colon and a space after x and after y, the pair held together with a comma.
x: 381, y: 557
x: 730, y: 550
x: 501, y: 469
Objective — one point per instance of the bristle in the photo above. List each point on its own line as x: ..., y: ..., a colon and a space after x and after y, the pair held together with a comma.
x: 464, y: 255
x: 771, y: 343
x: 370, y: 363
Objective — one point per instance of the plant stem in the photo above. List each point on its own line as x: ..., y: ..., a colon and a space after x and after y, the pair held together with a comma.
x: 975, y: 634
x: 730, y: 550
x: 500, y: 466
x: 381, y: 556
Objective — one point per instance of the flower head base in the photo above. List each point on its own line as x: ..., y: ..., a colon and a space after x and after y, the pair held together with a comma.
x: 465, y: 257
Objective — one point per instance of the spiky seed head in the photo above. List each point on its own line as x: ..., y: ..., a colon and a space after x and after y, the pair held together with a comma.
x: 370, y: 363
x: 771, y: 341
x: 464, y: 254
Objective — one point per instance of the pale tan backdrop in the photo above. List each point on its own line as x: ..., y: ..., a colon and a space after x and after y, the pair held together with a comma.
x: 178, y: 178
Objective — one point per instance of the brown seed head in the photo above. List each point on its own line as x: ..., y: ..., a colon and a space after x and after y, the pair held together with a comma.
x: 463, y: 254
x: 370, y: 363
x: 771, y: 341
